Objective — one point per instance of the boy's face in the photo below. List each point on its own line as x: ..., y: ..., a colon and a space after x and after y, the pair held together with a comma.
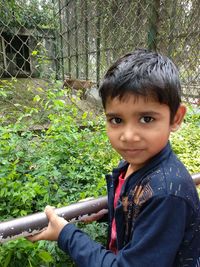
x: 138, y: 128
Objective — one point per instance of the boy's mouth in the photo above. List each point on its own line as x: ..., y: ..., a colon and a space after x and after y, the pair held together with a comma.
x: 130, y: 151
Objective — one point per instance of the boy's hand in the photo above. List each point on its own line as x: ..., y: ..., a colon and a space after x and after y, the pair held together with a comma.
x: 54, y: 228
x: 94, y: 217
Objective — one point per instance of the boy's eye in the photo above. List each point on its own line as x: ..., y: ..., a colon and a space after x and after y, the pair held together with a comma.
x: 146, y: 119
x: 115, y: 120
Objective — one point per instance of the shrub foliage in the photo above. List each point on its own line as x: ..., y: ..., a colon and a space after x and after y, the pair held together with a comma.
x: 62, y: 164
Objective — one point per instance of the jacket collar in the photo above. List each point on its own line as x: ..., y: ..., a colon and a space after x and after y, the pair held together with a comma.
x: 149, y: 167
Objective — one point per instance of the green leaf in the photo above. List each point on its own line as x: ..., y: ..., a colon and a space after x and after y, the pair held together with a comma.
x: 36, y: 98
x: 45, y: 256
x: 8, y: 258
x: 34, y: 53
x: 84, y: 116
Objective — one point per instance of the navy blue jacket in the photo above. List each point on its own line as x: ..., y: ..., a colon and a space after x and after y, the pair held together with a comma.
x: 157, y: 220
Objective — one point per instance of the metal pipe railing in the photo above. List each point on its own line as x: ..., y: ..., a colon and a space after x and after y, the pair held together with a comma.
x: 32, y: 224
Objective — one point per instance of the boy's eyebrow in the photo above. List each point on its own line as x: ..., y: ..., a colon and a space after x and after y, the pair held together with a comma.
x: 111, y: 114
x: 148, y: 113
x: 139, y: 113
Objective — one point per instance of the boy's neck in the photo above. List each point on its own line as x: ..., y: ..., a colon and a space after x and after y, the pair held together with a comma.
x: 129, y: 171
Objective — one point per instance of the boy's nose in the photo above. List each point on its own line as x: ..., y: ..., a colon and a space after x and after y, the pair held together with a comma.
x: 130, y: 134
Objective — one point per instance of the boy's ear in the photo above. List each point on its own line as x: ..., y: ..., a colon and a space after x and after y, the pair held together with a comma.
x: 178, y: 118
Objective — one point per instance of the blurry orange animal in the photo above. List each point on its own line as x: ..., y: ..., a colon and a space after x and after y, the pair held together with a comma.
x: 77, y: 85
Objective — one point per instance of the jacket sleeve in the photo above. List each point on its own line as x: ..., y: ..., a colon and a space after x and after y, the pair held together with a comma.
x: 158, y: 233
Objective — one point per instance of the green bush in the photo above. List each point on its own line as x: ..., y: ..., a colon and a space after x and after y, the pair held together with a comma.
x: 186, y: 141
x: 60, y: 165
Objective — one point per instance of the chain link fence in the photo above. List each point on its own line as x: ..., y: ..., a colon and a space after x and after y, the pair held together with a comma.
x: 79, y: 39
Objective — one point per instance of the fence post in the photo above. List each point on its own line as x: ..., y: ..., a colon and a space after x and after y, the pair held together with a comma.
x: 98, y: 41
x: 76, y: 41
x: 153, y: 24
x: 61, y: 57
x: 86, y: 40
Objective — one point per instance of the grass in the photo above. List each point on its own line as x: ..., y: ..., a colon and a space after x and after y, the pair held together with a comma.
x: 17, y: 97
x: 28, y: 97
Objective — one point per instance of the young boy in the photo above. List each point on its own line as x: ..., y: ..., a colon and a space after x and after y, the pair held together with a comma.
x: 154, y: 210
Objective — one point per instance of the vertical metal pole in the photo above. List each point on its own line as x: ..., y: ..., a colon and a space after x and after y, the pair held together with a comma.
x: 68, y: 39
x: 86, y: 42
x: 76, y: 41
x: 55, y: 44
x: 4, y: 53
x: 61, y: 41
x: 172, y: 26
x: 153, y: 24
x: 98, y: 43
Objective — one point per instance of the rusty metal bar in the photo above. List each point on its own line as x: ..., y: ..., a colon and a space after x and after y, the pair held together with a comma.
x: 32, y: 224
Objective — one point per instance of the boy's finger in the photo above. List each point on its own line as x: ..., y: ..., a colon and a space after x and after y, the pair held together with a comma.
x: 49, y: 211
x: 37, y: 237
x: 86, y: 199
x: 49, y: 208
x: 53, y: 218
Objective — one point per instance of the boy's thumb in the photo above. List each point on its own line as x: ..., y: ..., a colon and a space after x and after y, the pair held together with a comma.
x: 50, y: 213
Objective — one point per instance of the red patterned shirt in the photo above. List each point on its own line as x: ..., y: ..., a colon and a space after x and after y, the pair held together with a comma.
x: 112, y: 245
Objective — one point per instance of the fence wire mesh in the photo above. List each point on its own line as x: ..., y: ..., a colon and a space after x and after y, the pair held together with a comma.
x: 79, y: 39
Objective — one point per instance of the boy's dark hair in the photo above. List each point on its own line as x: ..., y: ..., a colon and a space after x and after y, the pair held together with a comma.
x: 144, y: 73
